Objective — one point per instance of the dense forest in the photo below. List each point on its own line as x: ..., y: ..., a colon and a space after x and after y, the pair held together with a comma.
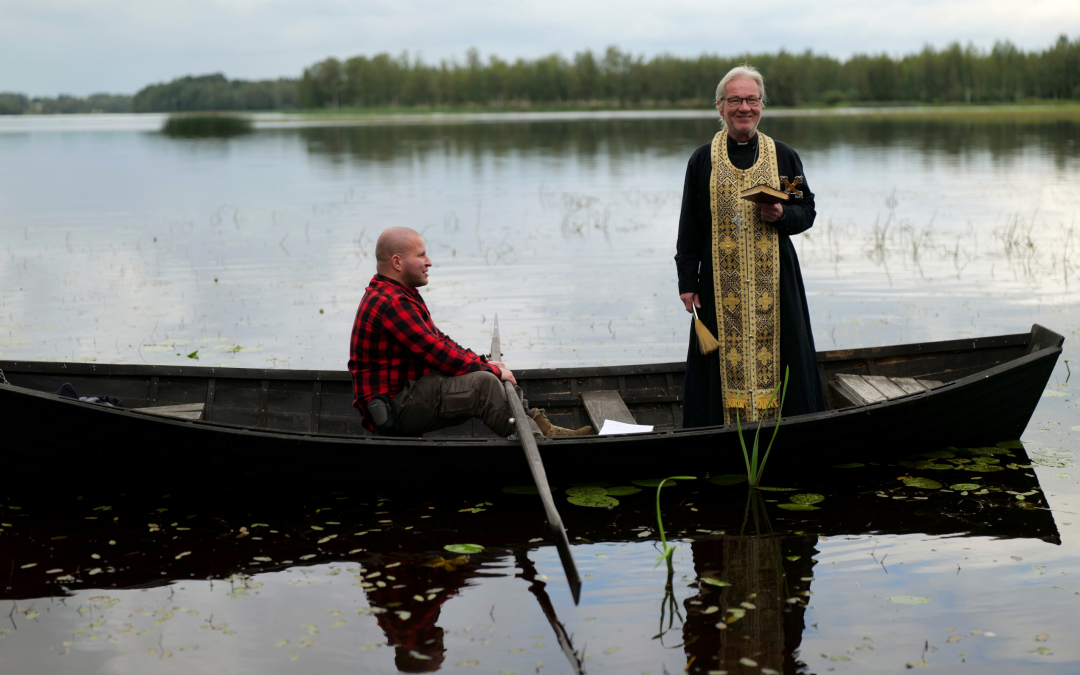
x: 613, y: 79
x: 953, y: 75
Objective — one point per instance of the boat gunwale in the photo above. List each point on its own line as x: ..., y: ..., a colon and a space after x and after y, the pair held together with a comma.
x: 831, y: 356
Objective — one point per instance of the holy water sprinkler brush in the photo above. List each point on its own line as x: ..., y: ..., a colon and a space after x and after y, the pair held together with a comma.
x: 706, y: 342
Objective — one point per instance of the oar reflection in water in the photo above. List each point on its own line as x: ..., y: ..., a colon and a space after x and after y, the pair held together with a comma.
x: 537, y: 588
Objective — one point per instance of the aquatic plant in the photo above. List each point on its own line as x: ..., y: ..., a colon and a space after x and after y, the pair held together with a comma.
x: 755, y: 469
x: 669, y: 608
x: 666, y: 548
x: 206, y: 125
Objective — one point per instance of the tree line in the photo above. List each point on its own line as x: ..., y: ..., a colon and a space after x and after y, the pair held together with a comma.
x: 952, y: 75
x: 18, y: 104
x: 613, y: 78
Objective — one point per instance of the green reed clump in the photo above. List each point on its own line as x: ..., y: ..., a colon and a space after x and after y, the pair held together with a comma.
x: 754, y: 469
x: 206, y: 125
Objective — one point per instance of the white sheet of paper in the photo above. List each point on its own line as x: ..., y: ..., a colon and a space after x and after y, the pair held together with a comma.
x: 612, y: 427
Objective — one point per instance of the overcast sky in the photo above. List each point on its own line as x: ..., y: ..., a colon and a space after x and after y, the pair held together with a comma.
x: 78, y: 47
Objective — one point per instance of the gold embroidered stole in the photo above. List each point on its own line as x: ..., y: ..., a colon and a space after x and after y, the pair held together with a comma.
x: 746, y: 279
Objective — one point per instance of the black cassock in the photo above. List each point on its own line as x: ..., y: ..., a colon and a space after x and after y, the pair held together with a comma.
x: 703, y: 401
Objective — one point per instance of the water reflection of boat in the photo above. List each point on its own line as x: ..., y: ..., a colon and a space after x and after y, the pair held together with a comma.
x: 242, y: 532
x: 301, y: 424
x: 393, y: 547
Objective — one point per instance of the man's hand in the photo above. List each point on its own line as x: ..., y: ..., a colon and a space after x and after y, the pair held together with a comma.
x: 507, y: 376
x: 688, y: 298
x: 771, y: 213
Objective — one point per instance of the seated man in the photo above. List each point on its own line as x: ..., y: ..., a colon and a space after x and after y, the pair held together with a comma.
x: 400, y: 359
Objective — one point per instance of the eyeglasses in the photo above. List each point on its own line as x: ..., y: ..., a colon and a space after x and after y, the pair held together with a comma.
x: 736, y: 101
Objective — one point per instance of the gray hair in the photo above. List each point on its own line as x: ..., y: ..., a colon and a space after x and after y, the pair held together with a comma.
x: 745, y: 70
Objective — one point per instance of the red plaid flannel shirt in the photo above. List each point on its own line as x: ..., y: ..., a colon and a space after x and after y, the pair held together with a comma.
x: 394, y: 341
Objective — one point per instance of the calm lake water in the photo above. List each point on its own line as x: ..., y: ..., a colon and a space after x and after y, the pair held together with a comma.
x: 121, y: 245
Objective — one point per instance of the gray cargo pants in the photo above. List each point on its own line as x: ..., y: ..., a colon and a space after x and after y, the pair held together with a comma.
x: 437, y: 401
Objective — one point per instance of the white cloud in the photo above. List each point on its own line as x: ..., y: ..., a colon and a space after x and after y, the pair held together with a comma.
x: 49, y: 46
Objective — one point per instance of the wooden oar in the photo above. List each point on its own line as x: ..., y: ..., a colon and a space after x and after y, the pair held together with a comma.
x: 536, y: 466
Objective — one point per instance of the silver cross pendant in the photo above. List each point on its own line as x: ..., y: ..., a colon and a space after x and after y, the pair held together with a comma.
x: 739, y: 221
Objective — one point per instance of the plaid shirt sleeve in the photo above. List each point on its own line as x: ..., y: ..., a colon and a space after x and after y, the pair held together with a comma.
x: 444, y: 336
x: 403, y: 321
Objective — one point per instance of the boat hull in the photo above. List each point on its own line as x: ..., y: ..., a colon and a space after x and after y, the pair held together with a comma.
x: 68, y: 437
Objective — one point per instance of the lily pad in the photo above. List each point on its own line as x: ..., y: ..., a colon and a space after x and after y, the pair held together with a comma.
x: 924, y: 483
x: 714, y: 582
x: 984, y: 468
x: 988, y: 451
x: 464, y: 548
x: 807, y: 498
x: 1048, y: 452
x: 623, y: 490
x: 586, y: 491
x: 1053, y: 463
x: 596, y: 501
x: 908, y: 599
x: 653, y: 482
x: 850, y: 465
x: 981, y: 459
x: 1011, y: 445
x: 728, y: 479
x: 798, y: 507
x: 777, y: 489
x: 939, y: 454
x: 965, y: 486
x: 935, y: 467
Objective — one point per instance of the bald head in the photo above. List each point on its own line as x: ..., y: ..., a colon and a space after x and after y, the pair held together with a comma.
x: 395, y: 240
x: 401, y: 255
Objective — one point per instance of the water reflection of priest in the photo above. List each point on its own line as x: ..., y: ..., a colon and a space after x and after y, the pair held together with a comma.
x: 765, y: 626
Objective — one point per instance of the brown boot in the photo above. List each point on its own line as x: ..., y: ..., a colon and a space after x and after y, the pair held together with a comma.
x: 549, y: 429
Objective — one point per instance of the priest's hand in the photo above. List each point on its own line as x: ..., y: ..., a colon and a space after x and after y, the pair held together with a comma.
x: 772, y: 213
x: 688, y: 298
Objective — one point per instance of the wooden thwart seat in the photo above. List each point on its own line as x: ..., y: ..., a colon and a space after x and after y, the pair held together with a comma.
x: 866, y: 389
x: 185, y: 411
x: 606, y: 405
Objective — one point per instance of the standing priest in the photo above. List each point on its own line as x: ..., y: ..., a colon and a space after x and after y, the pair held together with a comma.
x: 737, y: 266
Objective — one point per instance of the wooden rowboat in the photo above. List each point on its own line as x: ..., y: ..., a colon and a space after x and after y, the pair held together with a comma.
x: 300, y: 424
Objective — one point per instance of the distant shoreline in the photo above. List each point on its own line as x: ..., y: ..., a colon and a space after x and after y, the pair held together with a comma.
x: 1067, y: 109
x: 279, y: 119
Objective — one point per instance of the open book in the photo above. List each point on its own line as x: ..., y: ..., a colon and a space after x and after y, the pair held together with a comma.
x: 763, y: 194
